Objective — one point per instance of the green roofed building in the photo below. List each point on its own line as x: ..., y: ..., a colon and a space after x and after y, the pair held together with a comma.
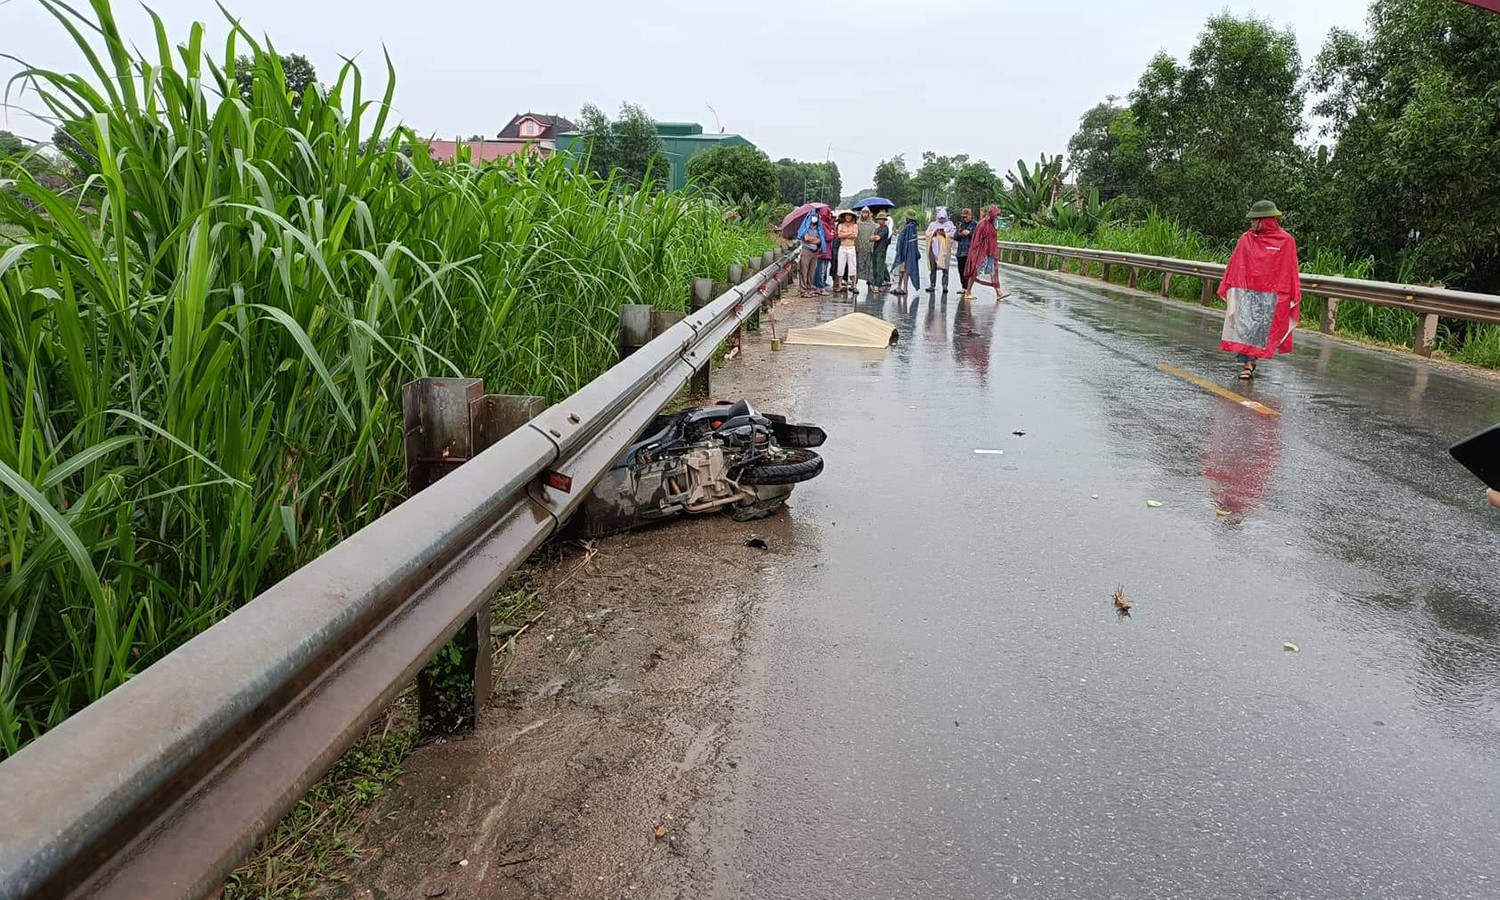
x: 680, y: 140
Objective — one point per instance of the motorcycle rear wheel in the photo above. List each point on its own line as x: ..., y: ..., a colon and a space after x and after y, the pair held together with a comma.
x: 795, y: 464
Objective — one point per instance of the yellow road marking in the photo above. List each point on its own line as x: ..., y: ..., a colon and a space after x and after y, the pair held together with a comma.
x: 1218, y: 389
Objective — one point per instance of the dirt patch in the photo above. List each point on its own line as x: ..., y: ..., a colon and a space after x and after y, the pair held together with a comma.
x: 584, y: 777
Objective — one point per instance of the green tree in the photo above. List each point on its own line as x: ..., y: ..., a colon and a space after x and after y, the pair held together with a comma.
x: 1414, y: 113
x: 829, y: 171
x: 932, y: 185
x: 975, y: 185
x: 800, y: 182
x: 74, y: 143
x: 789, y: 180
x: 297, y: 74
x: 637, y: 146
x: 31, y: 157
x: 596, y: 140
x: 1094, y: 150
x: 736, y: 173
x: 1219, y: 131
x: 893, y: 180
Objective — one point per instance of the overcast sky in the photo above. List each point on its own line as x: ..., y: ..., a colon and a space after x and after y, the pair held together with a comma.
x: 997, y: 80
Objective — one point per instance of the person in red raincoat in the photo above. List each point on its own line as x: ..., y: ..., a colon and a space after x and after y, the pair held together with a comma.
x: 1262, y: 290
x: 984, y: 256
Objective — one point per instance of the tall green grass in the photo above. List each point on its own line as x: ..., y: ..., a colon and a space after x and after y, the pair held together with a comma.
x: 202, y: 347
x: 1159, y: 236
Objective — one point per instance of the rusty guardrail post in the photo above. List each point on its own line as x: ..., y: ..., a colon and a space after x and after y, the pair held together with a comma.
x: 635, y: 327
x: 702, y: 295
x: 1105, y: 274
x: 1135, y: 276
x: 1330, y: 315
x: 734, y: 273
x: 1426, y: 335
x: 641, y: 322
x: 1166, y: 284
x: 1206, y: 291
x: 447, y: 422
x: 753, y: 265
x: 662, y: 319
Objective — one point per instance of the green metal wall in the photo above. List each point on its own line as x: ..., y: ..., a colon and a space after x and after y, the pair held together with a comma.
x: 678, y: 146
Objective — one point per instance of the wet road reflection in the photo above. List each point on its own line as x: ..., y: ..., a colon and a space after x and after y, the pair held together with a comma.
x: 939, y: 701
x: 1241, y: 458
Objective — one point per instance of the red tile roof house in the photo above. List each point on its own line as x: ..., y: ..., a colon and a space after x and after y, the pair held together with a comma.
x: 526, y: 132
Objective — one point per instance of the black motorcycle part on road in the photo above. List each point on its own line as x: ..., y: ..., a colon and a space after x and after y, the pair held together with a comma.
x: 793, y: 435
x: 795, y: 465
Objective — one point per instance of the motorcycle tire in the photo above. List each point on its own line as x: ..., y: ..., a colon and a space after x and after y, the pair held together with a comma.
x: 796, y: 465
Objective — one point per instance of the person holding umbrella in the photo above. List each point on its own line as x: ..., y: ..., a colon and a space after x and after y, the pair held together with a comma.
x: 863, y: 244
x: 805, y: 226
x: 880, y: 242
x: 810, y: 238
x: 1262, y: 291
x: 908, y: 256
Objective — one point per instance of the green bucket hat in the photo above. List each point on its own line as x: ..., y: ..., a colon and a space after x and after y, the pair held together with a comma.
x: 1263, y: 209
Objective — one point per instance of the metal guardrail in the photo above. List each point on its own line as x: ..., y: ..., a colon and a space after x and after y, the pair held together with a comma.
x: 158, y: 789
x: 1427, y: 302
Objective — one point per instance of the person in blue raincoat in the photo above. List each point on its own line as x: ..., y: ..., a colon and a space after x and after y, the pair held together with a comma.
x: 908, y: 257
x: 810, y: 238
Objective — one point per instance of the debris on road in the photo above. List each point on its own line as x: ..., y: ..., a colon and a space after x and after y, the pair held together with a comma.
x: 1154, y: 504
x: 1122, y: 606
x: 1221, y: 512
x: 1290, y: 647
x: 661, y: 832
x: 1019, y: 433
x: 992, y: 452
x: 757, y: 544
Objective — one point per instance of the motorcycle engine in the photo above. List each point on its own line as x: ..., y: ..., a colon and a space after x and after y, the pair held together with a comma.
x: 707, y: 480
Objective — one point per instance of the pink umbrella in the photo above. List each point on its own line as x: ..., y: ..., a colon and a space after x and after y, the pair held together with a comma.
x: 793, y: 221
x: 1491, y: 5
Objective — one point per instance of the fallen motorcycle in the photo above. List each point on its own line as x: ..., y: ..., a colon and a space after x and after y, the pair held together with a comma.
x: 703, y: 460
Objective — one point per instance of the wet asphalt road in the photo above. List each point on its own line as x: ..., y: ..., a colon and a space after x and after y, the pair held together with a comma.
x: 940, y: 701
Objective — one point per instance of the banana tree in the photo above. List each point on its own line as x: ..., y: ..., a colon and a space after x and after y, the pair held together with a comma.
x: 1034, y: 194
